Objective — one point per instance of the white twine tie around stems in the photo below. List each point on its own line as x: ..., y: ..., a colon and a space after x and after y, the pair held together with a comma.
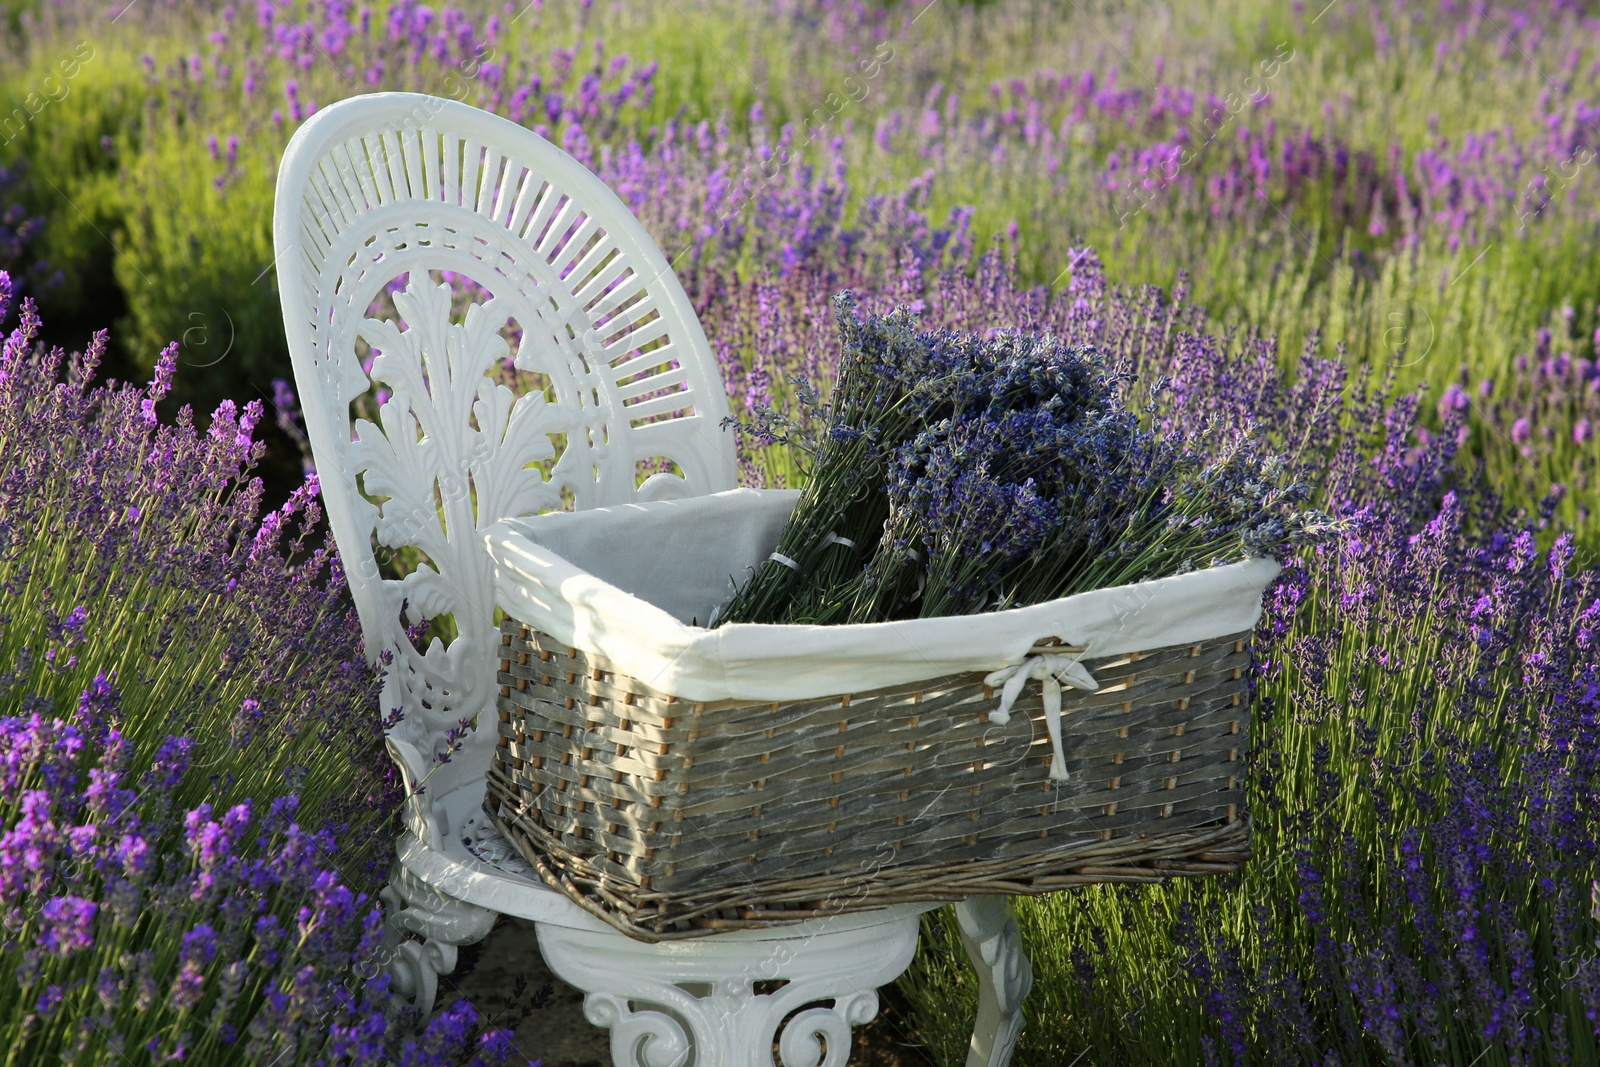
x: 922, y: 579
x: 1054, y: 670
x: 831, y: 539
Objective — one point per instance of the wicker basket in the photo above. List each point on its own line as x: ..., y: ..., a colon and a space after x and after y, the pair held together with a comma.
x: 672, y: 819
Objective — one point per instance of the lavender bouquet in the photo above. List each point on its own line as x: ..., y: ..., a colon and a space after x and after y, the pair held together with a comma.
x: 952, y: 474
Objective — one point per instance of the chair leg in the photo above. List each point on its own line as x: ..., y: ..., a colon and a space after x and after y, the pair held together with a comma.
x: 698, y: 1001
x: 423, y: 930
x: 989, y: 934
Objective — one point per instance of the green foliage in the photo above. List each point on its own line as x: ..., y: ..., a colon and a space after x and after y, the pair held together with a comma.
x: 75, y: 180
x: 203, y: 276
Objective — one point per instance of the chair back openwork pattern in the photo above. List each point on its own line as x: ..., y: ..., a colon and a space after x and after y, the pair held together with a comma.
x: 388, y: 194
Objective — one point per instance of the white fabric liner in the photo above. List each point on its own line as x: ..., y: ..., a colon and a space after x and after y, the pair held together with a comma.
x: 626, y: 581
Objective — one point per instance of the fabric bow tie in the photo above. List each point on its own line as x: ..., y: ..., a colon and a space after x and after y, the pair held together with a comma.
x: 1054, y: 669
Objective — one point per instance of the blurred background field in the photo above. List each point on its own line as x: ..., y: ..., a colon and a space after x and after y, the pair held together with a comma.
x: 1388, y: 213
x: 1414, y: 183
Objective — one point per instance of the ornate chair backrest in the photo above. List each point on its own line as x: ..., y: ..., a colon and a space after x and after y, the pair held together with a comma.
x: 389, y: 194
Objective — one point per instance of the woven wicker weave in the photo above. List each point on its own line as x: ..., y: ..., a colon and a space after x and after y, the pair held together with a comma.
x: 671, y: 819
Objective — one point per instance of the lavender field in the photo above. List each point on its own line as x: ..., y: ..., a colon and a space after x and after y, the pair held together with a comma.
x: 1368, y: 231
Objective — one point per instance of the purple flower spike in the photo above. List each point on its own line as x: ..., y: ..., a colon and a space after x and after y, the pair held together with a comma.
x: 171, y: 762
x: 166, y: 366
x: 200, y: 945
x: 68, y: 925
x: 187, y: 987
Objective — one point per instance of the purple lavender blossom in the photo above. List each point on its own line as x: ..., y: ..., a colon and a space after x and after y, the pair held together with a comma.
x: 67, y: 925
x: 111, y: 812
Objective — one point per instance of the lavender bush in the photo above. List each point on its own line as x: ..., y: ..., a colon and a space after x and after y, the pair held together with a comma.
x: 18, y: 231
x: 137, y: 932
x: 195, y: 806
x: 137, y: 548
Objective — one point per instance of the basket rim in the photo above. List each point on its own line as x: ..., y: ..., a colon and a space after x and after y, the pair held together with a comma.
x: 537, y: 587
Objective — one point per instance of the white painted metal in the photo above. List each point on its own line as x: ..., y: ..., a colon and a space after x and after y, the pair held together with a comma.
x: 662, y: 1002
x: 389, y: 187
x: 989, y: 934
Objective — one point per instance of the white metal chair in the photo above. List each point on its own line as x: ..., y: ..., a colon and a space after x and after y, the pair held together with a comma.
x: 393, y: 184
